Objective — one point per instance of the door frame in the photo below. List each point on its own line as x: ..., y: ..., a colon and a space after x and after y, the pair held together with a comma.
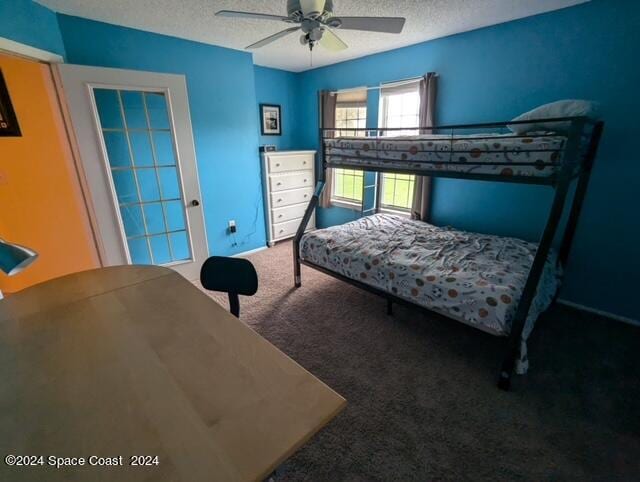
x: 27, y: 51
x: 95, y: 165
x: 51, y: 59
x: 107, y: 170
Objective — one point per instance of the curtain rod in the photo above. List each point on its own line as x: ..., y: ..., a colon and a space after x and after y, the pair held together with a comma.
x: 395, y: 83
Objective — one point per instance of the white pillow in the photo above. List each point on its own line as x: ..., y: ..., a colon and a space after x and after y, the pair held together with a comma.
x: 561, y: 108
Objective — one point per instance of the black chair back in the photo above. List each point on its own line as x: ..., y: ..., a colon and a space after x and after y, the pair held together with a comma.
x: 235, y: 276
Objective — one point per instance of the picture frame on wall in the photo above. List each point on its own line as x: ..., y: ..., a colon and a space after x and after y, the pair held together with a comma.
x: 270, y: 120
x: 8, y: 121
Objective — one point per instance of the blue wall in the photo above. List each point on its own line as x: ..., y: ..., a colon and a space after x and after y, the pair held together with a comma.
x: 29, y: 23
x: 279, y: 87
x: 224, y: 115
x: 587, y: 51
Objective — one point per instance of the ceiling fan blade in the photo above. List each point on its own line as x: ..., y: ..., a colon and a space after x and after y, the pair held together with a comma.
x: 272, y: 38
x: 312, y: 7
x: 259, y: 16
x: 331, y: 41
x: 373, y: 24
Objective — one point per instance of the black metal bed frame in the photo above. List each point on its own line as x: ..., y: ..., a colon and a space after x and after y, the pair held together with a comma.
x: 577, y: 159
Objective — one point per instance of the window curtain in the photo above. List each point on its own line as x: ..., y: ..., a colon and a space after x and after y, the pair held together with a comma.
x: 327, y: 120
x: 421, y: 206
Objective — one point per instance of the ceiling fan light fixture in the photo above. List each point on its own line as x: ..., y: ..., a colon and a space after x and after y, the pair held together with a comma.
x: 315, y: 34
x: 315, y: 19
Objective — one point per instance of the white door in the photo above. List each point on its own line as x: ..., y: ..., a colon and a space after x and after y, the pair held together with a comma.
x: 134, y: 134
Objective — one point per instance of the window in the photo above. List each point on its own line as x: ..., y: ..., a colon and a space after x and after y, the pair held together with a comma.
x: 397, y: 191
x: 399, y: 107
x: 347, y: 186
x: 351, y: 117
x: 139, y: 143
x: 351, y: 113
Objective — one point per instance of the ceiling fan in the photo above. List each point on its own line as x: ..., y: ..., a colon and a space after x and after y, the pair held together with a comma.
x: 315, y: 19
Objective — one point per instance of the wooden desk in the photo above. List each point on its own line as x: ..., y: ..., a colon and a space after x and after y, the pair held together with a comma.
x: 136, y: 360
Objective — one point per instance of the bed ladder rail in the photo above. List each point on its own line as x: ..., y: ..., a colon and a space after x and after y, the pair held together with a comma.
x: 537, y: 267
x: 580, y: 192
x: 313, y: 203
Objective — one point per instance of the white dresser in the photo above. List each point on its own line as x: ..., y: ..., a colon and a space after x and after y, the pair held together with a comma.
x: 288, y: 179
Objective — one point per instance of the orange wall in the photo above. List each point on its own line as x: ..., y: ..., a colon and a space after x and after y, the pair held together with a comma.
x: 41, y: 204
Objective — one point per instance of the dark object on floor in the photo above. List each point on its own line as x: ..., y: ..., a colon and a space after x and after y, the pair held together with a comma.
x: 421, y: 402
x: 235, y: 276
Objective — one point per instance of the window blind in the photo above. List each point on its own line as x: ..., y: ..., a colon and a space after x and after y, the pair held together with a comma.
x: 352, y: 98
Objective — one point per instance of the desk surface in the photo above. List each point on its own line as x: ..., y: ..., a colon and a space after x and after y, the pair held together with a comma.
x: 135, y: 360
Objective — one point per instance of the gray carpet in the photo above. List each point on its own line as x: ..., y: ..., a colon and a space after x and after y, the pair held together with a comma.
x: 422, y: 401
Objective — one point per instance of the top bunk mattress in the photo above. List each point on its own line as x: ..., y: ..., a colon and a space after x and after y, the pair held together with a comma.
x: 474, y: 278
x: 536, y: 154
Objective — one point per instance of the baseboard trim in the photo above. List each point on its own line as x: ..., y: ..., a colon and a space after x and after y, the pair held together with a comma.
x: 247, y: 253
x: 578, y: 306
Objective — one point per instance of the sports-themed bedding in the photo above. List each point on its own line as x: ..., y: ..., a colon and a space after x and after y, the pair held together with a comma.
x: 474, y: 278
x: 479, y: 153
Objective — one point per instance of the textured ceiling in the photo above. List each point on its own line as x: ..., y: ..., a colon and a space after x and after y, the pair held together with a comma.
x: 195, y: 20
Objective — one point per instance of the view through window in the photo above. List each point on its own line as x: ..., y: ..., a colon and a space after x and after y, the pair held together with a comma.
x: 347, y: 183
x: 399, y: 107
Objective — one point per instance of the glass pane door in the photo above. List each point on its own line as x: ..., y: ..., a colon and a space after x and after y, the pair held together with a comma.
x: 140, y: 149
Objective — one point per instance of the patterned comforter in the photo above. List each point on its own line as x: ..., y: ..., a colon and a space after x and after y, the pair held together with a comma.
x: 474, y: 278
x: 497, y: 155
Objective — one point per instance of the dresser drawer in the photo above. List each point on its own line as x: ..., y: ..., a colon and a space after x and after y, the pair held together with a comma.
x: 287, y: 198
x: 287, y: 214
x: 289, y: 228
x: 282, y: 182
x: 293, y: 162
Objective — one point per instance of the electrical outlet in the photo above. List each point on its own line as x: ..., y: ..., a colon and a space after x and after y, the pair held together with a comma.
x: 232, y: 226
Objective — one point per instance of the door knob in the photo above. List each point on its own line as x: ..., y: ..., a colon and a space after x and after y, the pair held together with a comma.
x: 195, y: 203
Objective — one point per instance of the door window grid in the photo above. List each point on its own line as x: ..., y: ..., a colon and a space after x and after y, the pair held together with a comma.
x: 399, y: 110
x: 151, y: 236
x: 347, y: 183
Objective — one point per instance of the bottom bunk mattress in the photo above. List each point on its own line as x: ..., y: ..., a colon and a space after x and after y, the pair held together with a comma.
x: 474, y: 278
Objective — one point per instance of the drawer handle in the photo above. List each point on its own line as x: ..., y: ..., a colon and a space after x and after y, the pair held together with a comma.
x: 305, y: 180
x: 282, y: 230
x: 278, y: 164
x: 306, y: 195
x: 280, y: 200
x: 280, y: 184
x: 279, y: 215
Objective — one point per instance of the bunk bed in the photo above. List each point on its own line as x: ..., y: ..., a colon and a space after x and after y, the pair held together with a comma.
x: 497, y: 284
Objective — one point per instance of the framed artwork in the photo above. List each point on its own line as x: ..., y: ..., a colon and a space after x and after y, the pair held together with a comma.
x: 271, y: 124
x: 8, y: 121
